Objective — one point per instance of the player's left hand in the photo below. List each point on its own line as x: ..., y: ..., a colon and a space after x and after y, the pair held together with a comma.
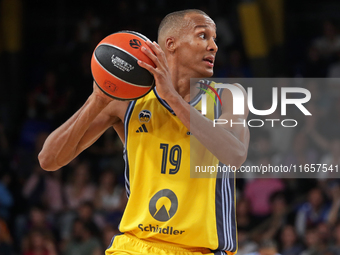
x: 161, y: 72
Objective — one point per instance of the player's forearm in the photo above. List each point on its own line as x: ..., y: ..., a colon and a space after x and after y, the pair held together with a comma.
x: 222, y: 143
x: 62, y: 144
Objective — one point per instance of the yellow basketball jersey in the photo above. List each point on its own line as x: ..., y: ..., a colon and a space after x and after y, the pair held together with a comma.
x: 165, y: 204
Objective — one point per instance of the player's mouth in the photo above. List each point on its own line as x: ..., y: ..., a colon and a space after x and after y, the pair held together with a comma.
x: 209, y: 60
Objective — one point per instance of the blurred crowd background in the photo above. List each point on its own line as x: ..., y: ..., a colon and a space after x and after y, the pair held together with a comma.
x: 45, y: 76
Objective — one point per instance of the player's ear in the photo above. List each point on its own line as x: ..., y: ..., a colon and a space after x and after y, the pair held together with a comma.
x: 170, y: 44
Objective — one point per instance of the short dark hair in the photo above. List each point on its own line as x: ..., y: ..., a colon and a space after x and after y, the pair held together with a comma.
x: 175, y: 18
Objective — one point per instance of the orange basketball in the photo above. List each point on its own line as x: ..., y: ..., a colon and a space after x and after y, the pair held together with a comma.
x: 115, y: 69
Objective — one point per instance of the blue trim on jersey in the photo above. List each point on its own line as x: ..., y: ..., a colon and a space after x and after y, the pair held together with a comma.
x: 233, y: 211
x: 112, y: 240
x: 225, y: 201
x: 225, y: 211
x: 163, y: 102
x: 126, y: 126
x: 219, y: 211
x: 198, y: 97
x: 218, y: 107
x: 194, y: 102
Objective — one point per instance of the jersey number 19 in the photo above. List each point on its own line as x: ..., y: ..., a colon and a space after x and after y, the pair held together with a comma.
x: 174, y: 158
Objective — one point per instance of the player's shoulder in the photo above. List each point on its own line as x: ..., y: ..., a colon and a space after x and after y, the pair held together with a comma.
x: 238, y: 85
x: 233, y: 96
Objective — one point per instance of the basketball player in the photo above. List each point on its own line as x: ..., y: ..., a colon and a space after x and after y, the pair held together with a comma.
x: 167, y: 212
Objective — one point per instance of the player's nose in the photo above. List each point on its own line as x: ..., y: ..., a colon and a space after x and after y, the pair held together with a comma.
x: 212, y: 45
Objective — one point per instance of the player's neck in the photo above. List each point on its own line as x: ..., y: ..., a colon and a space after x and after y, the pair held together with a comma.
x: 182, y: 86
x: 181, y: 81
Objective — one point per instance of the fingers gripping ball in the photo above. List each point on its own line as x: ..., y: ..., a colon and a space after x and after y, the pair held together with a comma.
x: 114, y: 66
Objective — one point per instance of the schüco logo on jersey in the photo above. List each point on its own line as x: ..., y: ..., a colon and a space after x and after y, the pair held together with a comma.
x: 162, y: 207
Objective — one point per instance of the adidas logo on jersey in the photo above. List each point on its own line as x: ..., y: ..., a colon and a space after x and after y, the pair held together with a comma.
x: 142, y: 129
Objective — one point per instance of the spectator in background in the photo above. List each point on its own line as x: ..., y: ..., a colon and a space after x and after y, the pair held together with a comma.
x: 270, y: 229
x: 83, y: 75
x: 107, y: 236
x: 46, y: 96
x: 315, y: 65
x: 4, y: 146
x: 261, y: 147
x: 83, y: 242
x: 312, y: 212
x: 302, y: 153
x: 335, y: 247
x: 313, y: 243
x: 325, y: 234
x: 41, y: 107
x: 310, y: 129
x: 245, y: 220
x: 334, y: 190
x: 334, y: 68
x: 32, y: 137
x: 258, y: 192
x: 34, y: 186
x: 289, y: 242
x: 6, y: 242
x: 327, y: 177
x: 86, y: 213
x: 329, y: 43
x: 39, y: 242
x: 79, y: 189
x: 332, y: 157
x: 109, y: 198
x: 36, y: 219
x: 89, y: 23
x: 53, y: 197
x: 326, y: 128
x: 319, y: 102
x: 44, y: 188
x: 267, y: 247
x: 6, y: 198
x: 245, y: 244
x: 281, y: 137
x: 107, y: 152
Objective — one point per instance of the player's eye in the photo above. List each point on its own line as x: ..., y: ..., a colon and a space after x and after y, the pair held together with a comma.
x: 202, y: 35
